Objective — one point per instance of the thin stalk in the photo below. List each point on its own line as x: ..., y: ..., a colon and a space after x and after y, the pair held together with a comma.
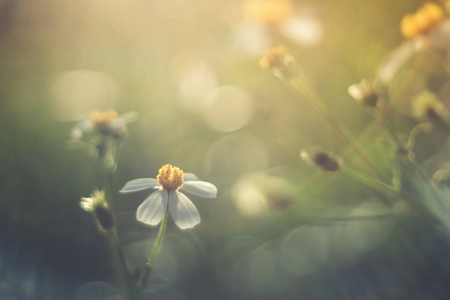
x: 118, y: 263
x: 373, y: 183
x: 394, y: 136
x: 315, y: 101
x: 121, y: 273
x: 153, y: 255
x: 412, y: 141
x: 357, y: 218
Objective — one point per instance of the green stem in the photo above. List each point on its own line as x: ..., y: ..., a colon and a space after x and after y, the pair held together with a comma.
x: 153, y: 255
x: 356, y: 218
x: 121, y: 272
x: 394, y: 136
x: 412, y: 141
x: 119, y: 266
x: 314, y: 100
x: 369, y: 181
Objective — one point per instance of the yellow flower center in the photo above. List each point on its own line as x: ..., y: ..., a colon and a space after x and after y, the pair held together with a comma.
x: 102, y: 118
x: 170, y: 177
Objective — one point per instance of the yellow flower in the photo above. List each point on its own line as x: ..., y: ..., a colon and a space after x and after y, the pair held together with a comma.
x: 426, y: 18
x: 280, y: 61
x: 103, y: 118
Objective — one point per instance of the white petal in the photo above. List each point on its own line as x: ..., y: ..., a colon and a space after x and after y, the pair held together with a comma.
x: 139, y: 185
x: 355, y: 91
x: 129, y: 117
x: 200, y: 188
x: 152, y: 210
x: 189, y: 177
x: 82, y: 126
x: 183, y: 211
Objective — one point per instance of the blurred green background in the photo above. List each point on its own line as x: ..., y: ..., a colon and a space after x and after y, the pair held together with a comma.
x: 190, y: 70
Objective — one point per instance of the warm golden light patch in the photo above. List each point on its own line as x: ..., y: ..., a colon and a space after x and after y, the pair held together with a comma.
x: 170, y: 177
x: 270, y: 11
x: 428, y: 16
x: 100, y: 118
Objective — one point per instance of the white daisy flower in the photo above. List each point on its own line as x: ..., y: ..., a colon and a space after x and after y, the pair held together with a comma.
x: 106, y: 123
x: 108, y: 130
x: 168, y: 182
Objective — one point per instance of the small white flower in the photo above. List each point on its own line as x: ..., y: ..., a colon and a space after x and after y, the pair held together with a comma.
x: 365, y: 92
x: 97, y: 205
x: 168, y: 182
x: 108, y: 130
x: 106, y: 123
x: 90, y: 204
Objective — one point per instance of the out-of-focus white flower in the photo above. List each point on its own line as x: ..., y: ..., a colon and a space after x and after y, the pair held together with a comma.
x: 168, y: 182
x: 364, y: 92
x: 97, y: 205
x: 108, y: 130
x: 106, y: 123
x: 90, y: 204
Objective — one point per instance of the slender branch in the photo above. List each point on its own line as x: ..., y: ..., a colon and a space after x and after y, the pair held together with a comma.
x: 375, y: 184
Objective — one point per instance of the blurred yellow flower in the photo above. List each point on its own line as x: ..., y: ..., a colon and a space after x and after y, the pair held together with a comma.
x: 268, y: 11
x: 107, y: 123
x: 102, y: 118
x: 427, y: 17
x: 280, y: 61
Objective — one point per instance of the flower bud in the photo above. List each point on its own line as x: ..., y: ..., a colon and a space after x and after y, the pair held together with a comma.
x: 324, y: 160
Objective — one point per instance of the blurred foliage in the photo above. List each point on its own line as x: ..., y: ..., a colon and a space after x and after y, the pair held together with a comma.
x: 180, y: 65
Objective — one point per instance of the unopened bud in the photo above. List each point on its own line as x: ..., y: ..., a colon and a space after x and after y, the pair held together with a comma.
x: 323, y: 159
